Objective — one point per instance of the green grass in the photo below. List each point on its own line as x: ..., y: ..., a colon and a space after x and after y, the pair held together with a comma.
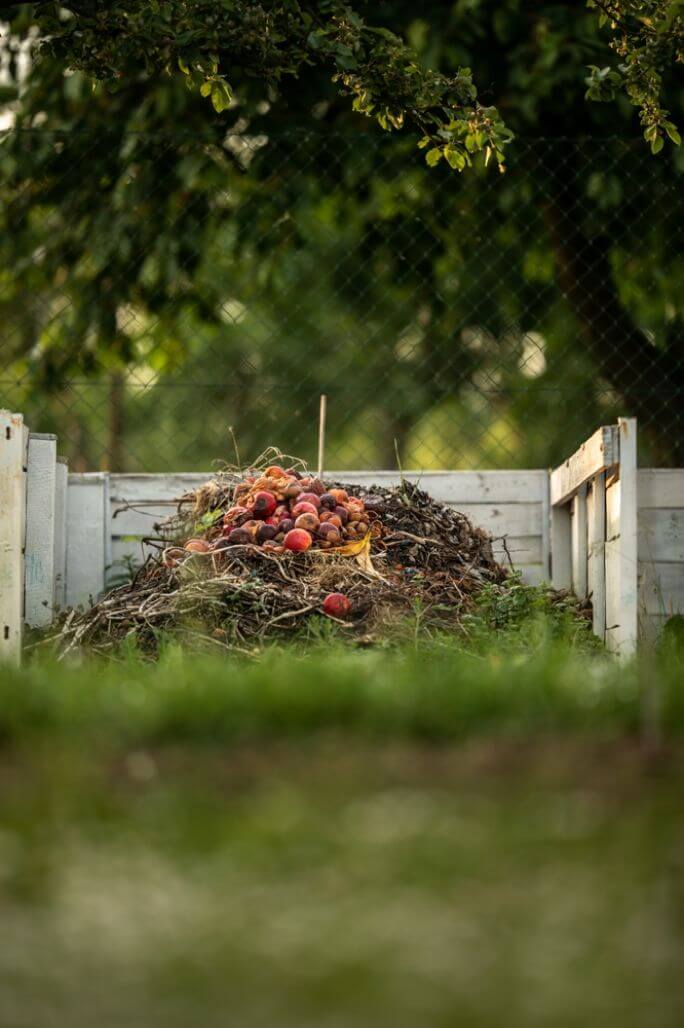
x: 336, y: 838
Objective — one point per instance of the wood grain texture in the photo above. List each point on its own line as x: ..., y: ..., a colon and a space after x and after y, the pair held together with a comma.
x: 61, y: 476
x: 599, y: 452
x: 88, y: 540
x: 40, y: 530
x: 596, y: 558
x: 578, y: 541
x: 13, y: 456
x: 628, y: 585
x: 444, y: 486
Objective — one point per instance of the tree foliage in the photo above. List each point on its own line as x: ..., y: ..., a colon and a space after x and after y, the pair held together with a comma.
x: 217, y: 259
x: 274, y: 42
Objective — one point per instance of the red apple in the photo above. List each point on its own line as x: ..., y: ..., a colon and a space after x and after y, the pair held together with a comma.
x: 309, y: 522
x: 298, y: 540
x: 264, y: 504
x: 336, y: 605
x: 329, y: 533
x: 309, y: 498
x: 304, y: 508
x: 265, y: 533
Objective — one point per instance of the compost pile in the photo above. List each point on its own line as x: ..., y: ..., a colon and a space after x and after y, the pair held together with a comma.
x: 274, y: 551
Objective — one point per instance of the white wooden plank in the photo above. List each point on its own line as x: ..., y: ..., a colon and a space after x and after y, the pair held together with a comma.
x: 61, y: 475
x: 13, y: 442
x: 578, y: 541
x: 445, y: 486
x: 546, y: 528
x: 40, y: 530
x: 629, y: 605
x: 612, y: 508
x: 661, y: 534
x: 661, y: 487
x: 661, y: 587
x: 596, y: 563
x: 612, y: 567
x: 87, y: 537
x: 139, y: 520
x: 598, y: 453
x: 561, y: 547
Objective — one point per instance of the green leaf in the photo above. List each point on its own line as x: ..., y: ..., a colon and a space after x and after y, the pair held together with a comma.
x: 657, y: 144
x: 433, y: 156
x: 673, y: 133
x: 206, y: 88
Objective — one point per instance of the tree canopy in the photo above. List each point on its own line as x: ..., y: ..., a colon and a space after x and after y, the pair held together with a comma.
x: 208, y: 40
x: 238, y: 256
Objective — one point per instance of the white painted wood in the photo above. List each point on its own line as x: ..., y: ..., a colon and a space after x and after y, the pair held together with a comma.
x: 561, y: 547
x: 661, y: 534
x: 578, y: 541
x: 612, y: 508
x: 87, y: 537
x: 661, y: 487
x: 452, y: 487
x: 629, y: 606
x: 661, y: 588
x: 546, y: 529
x: 39, y: 570
x: 596, y: 560
x: 13, y: 454
x: 598, y: 453
x: 61, y: 475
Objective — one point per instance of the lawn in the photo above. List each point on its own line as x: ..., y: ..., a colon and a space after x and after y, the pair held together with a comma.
x: 337, y: 838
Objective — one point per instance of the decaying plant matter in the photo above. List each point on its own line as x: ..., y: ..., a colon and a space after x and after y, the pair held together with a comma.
x: 410, y: 554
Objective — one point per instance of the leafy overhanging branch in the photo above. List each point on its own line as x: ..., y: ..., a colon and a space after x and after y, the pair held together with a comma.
x: 648, y: 38
x: 209, y: 39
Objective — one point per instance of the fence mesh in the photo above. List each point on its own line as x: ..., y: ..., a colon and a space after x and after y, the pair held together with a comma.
x: 161, y: 298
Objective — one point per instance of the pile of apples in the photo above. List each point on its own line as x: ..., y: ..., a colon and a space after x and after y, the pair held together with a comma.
x: 283, y: 510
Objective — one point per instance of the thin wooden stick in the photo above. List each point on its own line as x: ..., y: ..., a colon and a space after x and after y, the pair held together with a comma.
x: 321, y: 433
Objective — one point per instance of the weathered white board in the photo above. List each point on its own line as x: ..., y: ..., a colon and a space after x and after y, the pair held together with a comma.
x: 578, y: 534
x: 600, y: 452
x: 661, y: 548
x: 88, y: 537
x: 40, y: 530
x: 13, y: 455
x: 596, y: 552
x: 61, y: 476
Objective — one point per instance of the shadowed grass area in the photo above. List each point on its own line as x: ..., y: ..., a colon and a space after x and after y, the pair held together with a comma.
x: 342, y: 837
x: 436, y: 692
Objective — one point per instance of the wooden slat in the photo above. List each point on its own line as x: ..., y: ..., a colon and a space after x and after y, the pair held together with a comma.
x: 87, y: 537
x: 661, y: 487
x: 661, y: 534
x: 599, y: 452
x: 561, y: 547
x: 445, y: 486
x: 40, y: 530
x: 578, y: 541
x: 13, y: 453
x: 612, y: 508
x: 661, y: 588
x: 629, y: 607
x: 61, y: 475
x: 596, y: 561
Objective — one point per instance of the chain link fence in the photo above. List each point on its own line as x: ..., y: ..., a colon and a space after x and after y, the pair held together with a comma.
x: 164, y: 302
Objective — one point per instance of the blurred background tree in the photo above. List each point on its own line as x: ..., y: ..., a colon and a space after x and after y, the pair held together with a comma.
x: 168, y: 271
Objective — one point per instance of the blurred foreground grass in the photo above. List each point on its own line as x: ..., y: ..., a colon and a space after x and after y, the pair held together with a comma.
x: 342, y: 838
